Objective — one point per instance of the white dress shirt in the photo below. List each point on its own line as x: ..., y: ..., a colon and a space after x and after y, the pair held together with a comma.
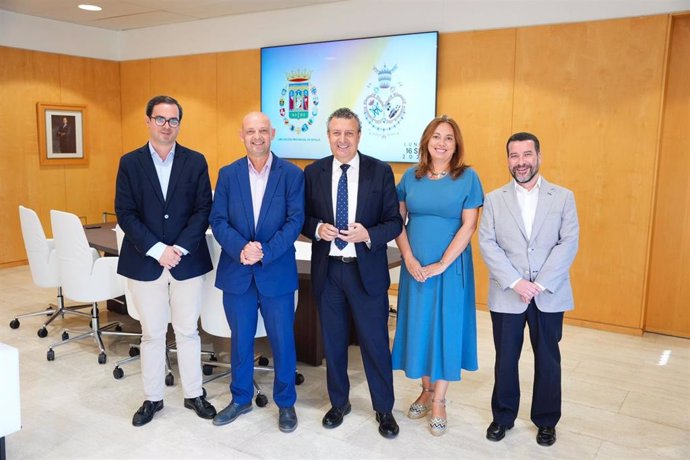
x: 257, y: 183
x: 163, y: 170
x: 163, y: 167
x: 527, y: 202
x: 352, y: 188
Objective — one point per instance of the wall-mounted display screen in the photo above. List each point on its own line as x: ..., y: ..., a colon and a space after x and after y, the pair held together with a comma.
x: 389, y: 82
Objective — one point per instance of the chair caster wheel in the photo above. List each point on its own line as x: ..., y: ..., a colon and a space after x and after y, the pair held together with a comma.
x: 50, y: 356
x: 213, y: 358
x: 65, y: 335
x: 261, y: 400
x: 299, y: 379
x: 133, y: 351
x: 118, y: 328
x: 118, y: 373
x: 263, y: 361
x: 14, y: 324
x: 169, y: 380
x: 102, y: 358
x: 207, y: 369
x: 42, y: 332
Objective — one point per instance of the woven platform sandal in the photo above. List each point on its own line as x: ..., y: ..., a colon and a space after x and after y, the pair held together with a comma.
x: 438, y: 425
x: 418, y: 410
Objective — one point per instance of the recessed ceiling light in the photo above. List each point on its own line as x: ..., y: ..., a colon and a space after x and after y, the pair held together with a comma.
x: 90, y: 7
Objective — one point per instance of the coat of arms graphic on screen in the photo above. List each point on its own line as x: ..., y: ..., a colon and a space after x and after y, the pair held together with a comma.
x: 299, y: 103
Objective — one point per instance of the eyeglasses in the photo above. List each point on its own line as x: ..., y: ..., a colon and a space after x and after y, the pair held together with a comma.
x: 161, y: 121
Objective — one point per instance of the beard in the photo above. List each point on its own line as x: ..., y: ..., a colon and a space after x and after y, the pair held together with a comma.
x: 527, y: 176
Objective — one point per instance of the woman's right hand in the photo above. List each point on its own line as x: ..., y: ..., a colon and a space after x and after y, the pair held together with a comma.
x: 415, y: 268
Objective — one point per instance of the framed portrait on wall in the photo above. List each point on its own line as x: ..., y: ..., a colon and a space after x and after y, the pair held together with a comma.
x: 61, y: 134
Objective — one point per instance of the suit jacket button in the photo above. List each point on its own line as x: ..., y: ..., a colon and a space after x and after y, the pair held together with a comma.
x: 165, y: 216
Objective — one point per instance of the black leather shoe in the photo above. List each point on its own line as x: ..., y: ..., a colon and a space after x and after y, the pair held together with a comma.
x: 145, y: 413
x: 496, y: 431
x: 388, y: 427
x: 287, y: 419
x: 334, y: 417
x: 203, y: 408
x: 546, y: 435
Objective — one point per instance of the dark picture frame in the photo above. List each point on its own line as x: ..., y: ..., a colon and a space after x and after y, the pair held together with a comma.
x: 61, y: 134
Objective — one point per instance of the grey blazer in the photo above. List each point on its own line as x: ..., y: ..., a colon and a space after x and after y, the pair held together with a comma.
x: 545, y: 258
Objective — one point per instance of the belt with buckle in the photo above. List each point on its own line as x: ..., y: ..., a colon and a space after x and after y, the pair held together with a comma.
x: 345, y: 260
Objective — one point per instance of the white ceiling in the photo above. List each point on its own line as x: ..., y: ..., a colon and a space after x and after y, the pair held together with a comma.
x: 135, y: 14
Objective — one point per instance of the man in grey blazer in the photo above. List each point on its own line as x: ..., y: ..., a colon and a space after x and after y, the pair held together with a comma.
x: 528, y: 238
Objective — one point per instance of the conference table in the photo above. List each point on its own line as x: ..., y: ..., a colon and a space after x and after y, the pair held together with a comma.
x: 308, y: 341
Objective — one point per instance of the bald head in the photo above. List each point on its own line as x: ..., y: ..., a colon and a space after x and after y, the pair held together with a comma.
x: 255, y: 116
x: 257, y: 134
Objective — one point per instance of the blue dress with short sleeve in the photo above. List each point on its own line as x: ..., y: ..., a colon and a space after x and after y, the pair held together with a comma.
x: 436, y: 332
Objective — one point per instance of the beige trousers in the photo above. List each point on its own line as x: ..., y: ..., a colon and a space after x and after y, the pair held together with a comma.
x: 158, y: 303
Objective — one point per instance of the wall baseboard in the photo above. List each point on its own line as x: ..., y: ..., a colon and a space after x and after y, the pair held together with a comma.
x: 14, y: 263
x: 591, y: 324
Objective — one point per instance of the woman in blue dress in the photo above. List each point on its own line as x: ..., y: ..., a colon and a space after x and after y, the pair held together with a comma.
x: 436, y: 333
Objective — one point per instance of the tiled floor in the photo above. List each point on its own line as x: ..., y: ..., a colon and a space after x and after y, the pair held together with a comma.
x: 620, y: 402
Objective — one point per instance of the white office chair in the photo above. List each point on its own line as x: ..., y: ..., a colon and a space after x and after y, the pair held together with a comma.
x: 118, y: 372
x: 44, y: 270
x: 214, y: 322
x: 85, y: 277
x: 303, y: 250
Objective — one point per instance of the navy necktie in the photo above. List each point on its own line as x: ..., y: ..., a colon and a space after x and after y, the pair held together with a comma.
x: 341, y: 206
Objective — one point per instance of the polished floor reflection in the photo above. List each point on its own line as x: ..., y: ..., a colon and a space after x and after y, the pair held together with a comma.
x: 624, y: 398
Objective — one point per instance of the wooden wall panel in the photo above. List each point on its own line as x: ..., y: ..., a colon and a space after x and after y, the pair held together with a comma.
x: 44, y: 186
x: 215, y: 91
x: 239, y: 92
x: 96, y: 84
x: 669, y: 269
x: 475, y: 81
x: 591, y: 92
x: 192, y: 81
x: 28, y: 77
x: 189, y: 79
x: 20, y: 84
x: 135, y: 81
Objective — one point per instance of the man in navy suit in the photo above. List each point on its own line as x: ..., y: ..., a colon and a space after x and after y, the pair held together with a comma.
x: 162, y: 201
x: 351, y: 214
x: 257, y: 215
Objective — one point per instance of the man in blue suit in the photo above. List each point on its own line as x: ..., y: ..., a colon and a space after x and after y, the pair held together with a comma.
x: 257, y: 215
x: 162, y: 201
x: 352, y: 212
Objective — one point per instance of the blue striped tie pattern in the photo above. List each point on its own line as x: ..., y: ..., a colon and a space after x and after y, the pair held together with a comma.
x: 341, y: 206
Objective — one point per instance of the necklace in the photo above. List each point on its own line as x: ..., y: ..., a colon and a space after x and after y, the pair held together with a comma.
x: 434, y: 175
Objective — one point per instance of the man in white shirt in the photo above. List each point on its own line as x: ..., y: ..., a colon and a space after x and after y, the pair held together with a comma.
x: 528, y: 238
x: 352, y: 212
x: 162, y: 201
